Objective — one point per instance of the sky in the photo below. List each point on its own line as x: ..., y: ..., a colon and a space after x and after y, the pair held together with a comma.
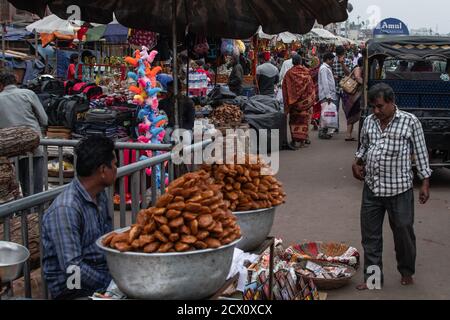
x: 414, y: 13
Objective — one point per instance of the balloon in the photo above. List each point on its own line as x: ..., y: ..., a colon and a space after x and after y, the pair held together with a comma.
x: 131, y: 61
x: 143, y: 139
x: 138, y: 99
x: 143, y: 127
x: 135, y: 90
x: 153, y: 92
x: 133, y: 76
x: 152, y: 56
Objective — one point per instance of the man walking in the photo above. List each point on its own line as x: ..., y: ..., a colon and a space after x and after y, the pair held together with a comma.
x: 341, y: 68
x: 389, y: 139
x: 327, y: 87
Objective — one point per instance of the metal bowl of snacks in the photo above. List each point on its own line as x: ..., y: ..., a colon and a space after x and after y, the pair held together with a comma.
x: 169, y: 276
x: 255, y: 227
x: 12, y: 258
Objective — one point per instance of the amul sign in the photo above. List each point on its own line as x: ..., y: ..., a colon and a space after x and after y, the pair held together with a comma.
x: 391, y: 26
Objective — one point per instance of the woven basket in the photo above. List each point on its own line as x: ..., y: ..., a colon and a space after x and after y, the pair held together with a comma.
x: 327, y: 284
x: 310, y: 251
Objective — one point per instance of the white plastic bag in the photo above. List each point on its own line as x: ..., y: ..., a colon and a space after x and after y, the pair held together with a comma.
x: 279, y: 95
x: 329, y: 116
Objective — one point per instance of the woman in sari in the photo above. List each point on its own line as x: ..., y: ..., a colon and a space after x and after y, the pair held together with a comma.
x: 352, y: 102
x: 299, y: 96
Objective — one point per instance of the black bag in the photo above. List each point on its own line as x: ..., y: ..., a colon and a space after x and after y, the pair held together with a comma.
x: 104, y: 116
x: 46, y: 85
x: 70, y: 109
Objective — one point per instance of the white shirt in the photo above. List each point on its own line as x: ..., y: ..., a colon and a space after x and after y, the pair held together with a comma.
x: 287, y: 65
x: 327, y: 85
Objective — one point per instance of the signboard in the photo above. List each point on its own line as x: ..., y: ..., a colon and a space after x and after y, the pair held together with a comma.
x: 392, y: 27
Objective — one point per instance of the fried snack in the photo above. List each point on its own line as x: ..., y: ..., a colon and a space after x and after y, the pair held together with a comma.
x: 172, y: 214
x: 193, y: 225
x: 192, y: 215
x: 135, y: 232
x: 165, y: 247
x: 205, y: 220
x: 176, y: 223
x: 181, y: 247
x: 213, y: 243
x: 164, y: 200
x: 152, y: 247
x: 123, y: 247
x: 188, y: 239
x: 245, y: 187
x: 165, y: 229
x: 107, y: 241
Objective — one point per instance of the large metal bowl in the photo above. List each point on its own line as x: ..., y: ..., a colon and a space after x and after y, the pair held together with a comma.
x: 170, y: 276
x: 12, y: 258
x: 255, y: 227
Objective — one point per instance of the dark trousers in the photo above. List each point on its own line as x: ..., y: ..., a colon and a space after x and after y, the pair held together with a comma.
x: 401, y: 218
x: 37, y: 178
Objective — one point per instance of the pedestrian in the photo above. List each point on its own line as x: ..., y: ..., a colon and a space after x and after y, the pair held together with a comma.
x: 342, y: 67
x: 71, y: 70
x: 327, y: 88
x: 287, y: 65
x: 389, y: 139
x: 299, y: 96
x: 236, y: 77
x: 22, y: 107
x: 76, y: 219
x: 267, y: 76
x: 352, y: 102
x: 186, y: 109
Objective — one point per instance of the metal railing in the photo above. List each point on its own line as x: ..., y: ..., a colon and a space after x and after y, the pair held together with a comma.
x: 64, y: 148
x: 38, y: 203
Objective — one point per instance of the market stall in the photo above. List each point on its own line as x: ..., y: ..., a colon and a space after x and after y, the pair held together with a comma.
x: 194, y: 217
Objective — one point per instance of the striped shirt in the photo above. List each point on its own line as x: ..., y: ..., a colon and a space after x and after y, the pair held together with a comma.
x: 71, y: 226
x: 388, y: 154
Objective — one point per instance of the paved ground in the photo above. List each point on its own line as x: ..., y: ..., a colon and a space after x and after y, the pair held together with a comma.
x: 324, y: 202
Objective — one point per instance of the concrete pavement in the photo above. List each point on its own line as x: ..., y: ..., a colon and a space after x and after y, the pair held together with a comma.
x: 324, y: 204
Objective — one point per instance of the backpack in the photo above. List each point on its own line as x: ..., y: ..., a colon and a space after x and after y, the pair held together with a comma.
x: 103, y: 116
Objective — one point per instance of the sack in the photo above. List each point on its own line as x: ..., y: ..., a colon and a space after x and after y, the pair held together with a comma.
x: 349, y: 85
x: 329, y: 116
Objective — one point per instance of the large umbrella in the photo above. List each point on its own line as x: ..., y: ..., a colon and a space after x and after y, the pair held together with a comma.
x: 227, y: 19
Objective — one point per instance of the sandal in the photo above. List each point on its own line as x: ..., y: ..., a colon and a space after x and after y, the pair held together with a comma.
x: 350, y: 139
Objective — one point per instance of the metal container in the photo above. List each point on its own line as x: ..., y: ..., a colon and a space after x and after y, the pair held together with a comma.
x: 170, y: 276
x: 255, y: 227
x: 12, y: 258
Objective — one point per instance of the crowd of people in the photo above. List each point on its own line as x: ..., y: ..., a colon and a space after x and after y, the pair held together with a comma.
x: 304, y: 82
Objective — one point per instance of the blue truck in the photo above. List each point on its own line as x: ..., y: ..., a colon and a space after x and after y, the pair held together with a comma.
x: 418, y: 69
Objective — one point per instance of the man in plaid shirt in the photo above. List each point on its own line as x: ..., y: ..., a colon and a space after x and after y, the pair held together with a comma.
x: 389, y: 139
x: 74, y: 222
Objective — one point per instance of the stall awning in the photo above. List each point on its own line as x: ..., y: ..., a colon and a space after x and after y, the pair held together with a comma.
x: 227, y: 19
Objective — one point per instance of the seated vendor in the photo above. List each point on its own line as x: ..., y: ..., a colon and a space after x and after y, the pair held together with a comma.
x: 186, y: 108
x: 76, y: 219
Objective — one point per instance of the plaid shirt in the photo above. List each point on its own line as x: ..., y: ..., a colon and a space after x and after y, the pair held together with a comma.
x: 388, y: 155
x: 338, y: 70
x: 71, y: 226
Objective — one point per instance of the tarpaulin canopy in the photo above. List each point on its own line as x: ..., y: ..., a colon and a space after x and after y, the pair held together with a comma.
x: 322, y: 34
x: 411, y: 47
x: 285, y: 37
x: 53, y: 23
x: 227, y: 19
x: 16, y: 34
